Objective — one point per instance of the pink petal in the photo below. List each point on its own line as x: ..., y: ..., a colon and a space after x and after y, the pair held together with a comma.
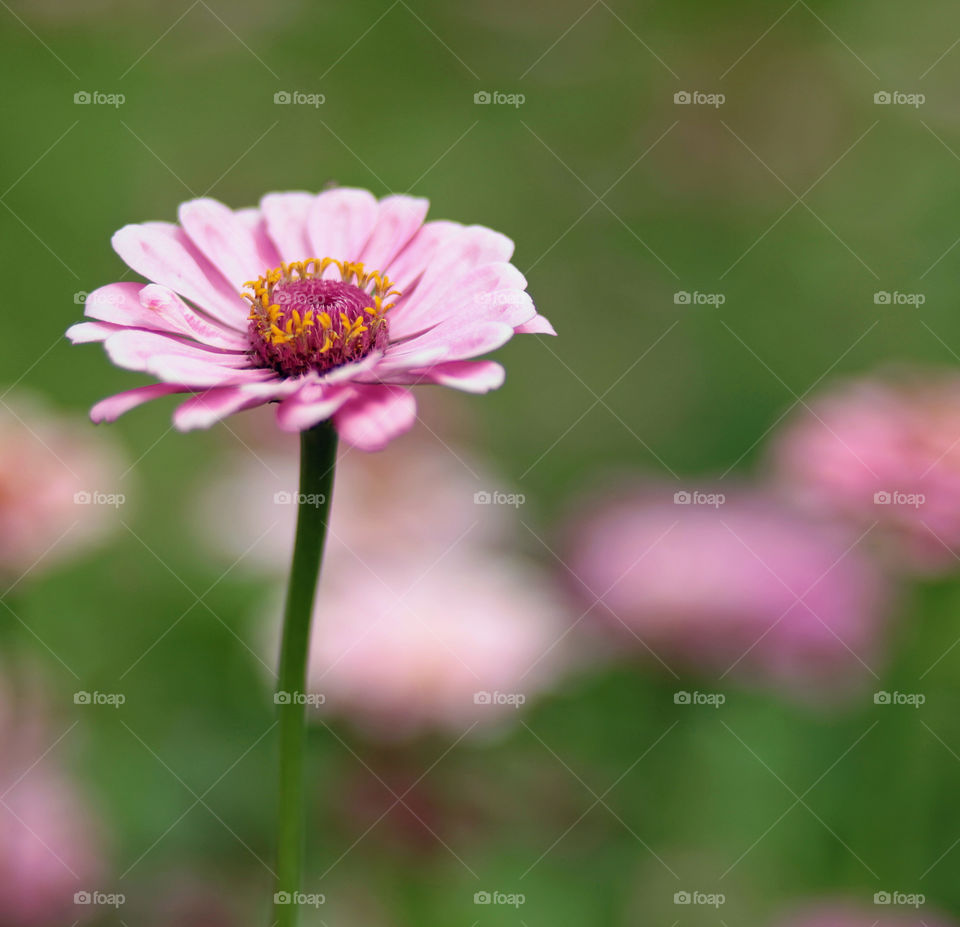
x: 272, y: 388
x: 205, y: 409
x: 460, y: 337
x: 398, y: 219
x: 375, y: 416
x: 86, y: 332
x: 255, y: 220
x: 164, y: 254
x: 169, y: 309
x: 312, y: 404
x: 339, y: 223
x: 111, y: 408
x: 119, y: 303
x: 201, y: 374
x: 400, y: 361
x: 136, y: 350
x: 286, y: 217
x: 489, y: 285
x: 409, y: 264
x: 538, y: 325
x: 469, y: 376
x: 152, y: 307
x: 462, y: 251
x: 227, y: 241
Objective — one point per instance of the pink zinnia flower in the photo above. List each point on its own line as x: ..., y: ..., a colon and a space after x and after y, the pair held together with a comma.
x: 330, y: 305
x: 407, y: 646
x: 884, y: 453
x: 744, y: 585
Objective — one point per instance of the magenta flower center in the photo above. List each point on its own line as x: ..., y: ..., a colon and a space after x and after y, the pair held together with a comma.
x: 302, y: 321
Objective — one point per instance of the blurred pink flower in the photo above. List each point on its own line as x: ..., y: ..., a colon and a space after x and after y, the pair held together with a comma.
x: 290, y: 303
x: 406, y: 645
x: 847, y: 914
x: 743, y: 584
x: 884, y: 452
x: 416, y: 611
x: 50, y: 845
x: 419, y: 498
x: 58, y: 487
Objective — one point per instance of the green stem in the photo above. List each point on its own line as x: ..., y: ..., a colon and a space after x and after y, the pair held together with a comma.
x: 318, y: 448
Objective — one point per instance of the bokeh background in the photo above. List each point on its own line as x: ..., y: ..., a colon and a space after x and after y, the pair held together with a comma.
x: 798, y: 199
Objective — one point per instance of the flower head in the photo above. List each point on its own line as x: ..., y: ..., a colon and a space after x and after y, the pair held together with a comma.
x: 330, y: 305
x: 883, y: 454
x: 401, y: 648
x: 746, y: 585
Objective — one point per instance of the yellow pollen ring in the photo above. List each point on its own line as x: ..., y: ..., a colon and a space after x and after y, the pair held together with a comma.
x: 276, y: 328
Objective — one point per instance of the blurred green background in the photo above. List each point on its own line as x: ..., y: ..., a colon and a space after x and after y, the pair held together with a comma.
x: 700, y: 199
